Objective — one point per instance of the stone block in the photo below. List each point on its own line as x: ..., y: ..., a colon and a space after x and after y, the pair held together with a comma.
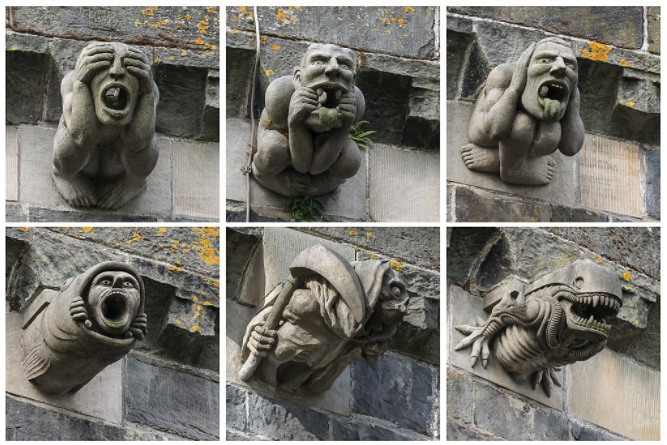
x: 652, y: 175
x: 101, y: 398
x: 582, y: 431
x: 13, y: 212
x: 456, y: 432
x: 240, y: 63
x: 653, y: 25
x: 610, y: 175
x: 182, y: 93
x: 242, y: 249
x: 26, y: 83
x: 422, y: 124
x: 284, y: 421
x: 236, y: 408
x: 631, y: 408
x: 464, y: 245
x: 196, y: 180
x: 459, y: 396
x: 347, y: 201
x: 40, y: 214
x: 211, y: 116
x: 404, y: 185
x: 459, y: 38
x: 477, y: 205
x: 618, y: 26
x: 12, y: 164
x: 563, y: 189
x: 401, y: 30
x: 561, y: 213
x: 463, y: 309
x: 359, y: 430
x: 395, y: 388
x: 172, y: 399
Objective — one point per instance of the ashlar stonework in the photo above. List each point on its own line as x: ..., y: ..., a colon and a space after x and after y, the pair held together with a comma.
x: 525, y: 112
x: 303, y: 145
x: 105, y: 146
x: 328, y: 314
x: 558, y: 319
x: 93, y: 321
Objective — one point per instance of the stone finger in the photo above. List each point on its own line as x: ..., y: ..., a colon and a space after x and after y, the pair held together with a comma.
x: 138, y: 333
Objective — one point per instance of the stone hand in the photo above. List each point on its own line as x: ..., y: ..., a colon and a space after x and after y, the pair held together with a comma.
x: 518, y: 82
x: 348, y: 107
x: 77, y: 310
x: 303, y: 102
x: 139, y: 327
x: 262, y: 340
x: 476, y: 338
x: 137, y: 64
x: 94, y: 58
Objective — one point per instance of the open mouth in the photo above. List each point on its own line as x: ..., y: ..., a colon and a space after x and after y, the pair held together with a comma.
x: 328, y: 97
x: 115, y: 308
x: 115, y: 98
x: 551, y: 96
x: 588, y: 315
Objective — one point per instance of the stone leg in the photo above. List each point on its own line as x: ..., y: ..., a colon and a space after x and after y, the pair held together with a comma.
x: 271, y: 166
x: 481, y: 159
x: 68, y: 161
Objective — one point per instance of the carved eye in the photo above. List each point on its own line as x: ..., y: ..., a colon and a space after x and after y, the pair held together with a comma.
x: 128, y: 284
x: 579, y: 282
x: 317, y: 62
x: 396, y: 291
x: 105, y: 282
x: 345, y: 67
x: 544, y: 60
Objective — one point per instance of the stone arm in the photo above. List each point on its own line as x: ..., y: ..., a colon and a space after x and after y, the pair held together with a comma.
x: 141, y: 130
x: 81, y: 124
x: 303, y: 102
x: 572, y: 127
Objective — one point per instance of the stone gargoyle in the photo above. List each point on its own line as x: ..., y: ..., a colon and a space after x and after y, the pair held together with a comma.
x: 328, y: 314
x: 557, y: 320
x: 105, y: 146
x: 525, y: 112
x: 93, y: 321
x: 303, y: 145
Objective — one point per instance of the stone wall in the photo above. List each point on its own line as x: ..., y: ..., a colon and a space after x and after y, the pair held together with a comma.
x: 399, y: 75
x: 614, y: 395
x: 43, y: 44
x: 616, y: 176
x: 396, y: 398
x: 167, y: 387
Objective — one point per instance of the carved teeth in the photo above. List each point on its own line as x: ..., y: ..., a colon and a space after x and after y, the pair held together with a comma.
x: 320, y: 91
x: 591, y: 320
x: 596, y: 300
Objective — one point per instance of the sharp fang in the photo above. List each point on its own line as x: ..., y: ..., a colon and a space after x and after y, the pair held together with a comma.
x: 591, y: 320
x: 320, y: 91
x: 596, y: 300
x: 338, y: 94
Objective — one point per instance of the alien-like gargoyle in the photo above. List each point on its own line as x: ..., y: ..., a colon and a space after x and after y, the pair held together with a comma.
x: 93, y: 321
x: 303, y: 146
x: 526, y: 111
x: 105, y: 146
x: 557, y: 320
x: 328, y: 315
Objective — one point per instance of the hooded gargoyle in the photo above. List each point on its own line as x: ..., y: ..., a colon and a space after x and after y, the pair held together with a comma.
x: 557, y: 320
x: 329, y: 314
x: 93, y: 321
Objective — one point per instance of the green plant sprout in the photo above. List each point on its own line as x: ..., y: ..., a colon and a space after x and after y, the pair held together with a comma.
x: 359, y: 136
x: 304, y: 208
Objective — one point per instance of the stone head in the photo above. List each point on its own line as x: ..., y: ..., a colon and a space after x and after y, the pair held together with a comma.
x: 115, y: 90
x: 552, y: 76
x: 114, y: 300
x: 326, y: 66
x: 393, y: 298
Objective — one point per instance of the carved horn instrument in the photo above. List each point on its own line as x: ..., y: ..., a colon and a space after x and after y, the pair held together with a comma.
x: 314, y: 260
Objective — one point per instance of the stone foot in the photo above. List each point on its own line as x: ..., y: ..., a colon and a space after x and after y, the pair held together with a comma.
x: 77, y: 190
x: 288, y: 183
x: 481, y: 159
x: 118, y: 192
x: 535, y: 171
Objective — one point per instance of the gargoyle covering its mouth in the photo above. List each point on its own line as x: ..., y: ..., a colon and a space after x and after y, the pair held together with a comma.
x: 328, y: 99
x: 551, y: 96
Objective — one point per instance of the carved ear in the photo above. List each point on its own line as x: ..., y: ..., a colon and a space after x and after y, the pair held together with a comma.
x: 296, y: 77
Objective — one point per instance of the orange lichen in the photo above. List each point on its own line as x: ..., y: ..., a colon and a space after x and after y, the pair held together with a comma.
x: 627, y: 276
x: 353, y: 233
x: 622, y: 63
x: 409, y: 9
x: 275, y: 47
x: 396, y: 266
x: 598, y: 52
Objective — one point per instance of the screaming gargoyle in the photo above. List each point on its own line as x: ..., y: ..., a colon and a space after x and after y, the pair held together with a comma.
x: 557, y: 320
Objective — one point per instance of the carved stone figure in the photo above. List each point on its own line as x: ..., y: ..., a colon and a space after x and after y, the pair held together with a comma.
x: 303, y: 146
x: 93, y: 321
x: 328, y: 315
x: 105, y: 146
x: 557, y: 320
x: 526, y: 111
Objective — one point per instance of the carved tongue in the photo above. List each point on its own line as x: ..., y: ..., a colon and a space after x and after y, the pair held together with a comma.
x: 551, y: 108
x: 114, y: 98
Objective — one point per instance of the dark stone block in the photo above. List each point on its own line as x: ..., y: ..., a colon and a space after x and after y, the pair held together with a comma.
x: 653, y: 18
x: 456, y: 432
x: 550, y: 424
x: 465, y: 244
x: 13, y: 212
x: 283, y: 421
x: 395, y: 388
x: 357, y: 430
x: 459, y: 397
x: 240, y: 63
x: 26, y: 85
x: 478, y: 206
x: 652, y: 197
x: 585, y: 432
x: 211, y: 117
x: 418, y: 335
x: 502, y: 415
x: 236, y: 408
x: 561, y: 213
x: 182, y: 94
x: 38, y: 214
x: 459, y: 38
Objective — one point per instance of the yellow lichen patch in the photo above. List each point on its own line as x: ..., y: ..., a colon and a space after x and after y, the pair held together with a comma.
x: 387, y: 32
x: 86, y: 229
x: 14, y: 48
x: 205, y: 247
x: 184, y: 53
x: 275, y: 47
x: 177, y: 262
x: 400, y: 22
x: 369, y: 235
x: 627, y: 276
x: 162, y: 229
x: 262, y: 40
x: 269, y: 72
x: 149, y: 11
x: 199, y: 41
x: 207, y: 303
x: 373, y: 256
x: 622, y: 62
x: 353, y: 233
x: 177, y: 322
x: 283, y: 15
x: 598, y: 52
x: 187, y: 17
x: 195, y: 298
x: 202, y: 26
x: 598, y: 260
x: 171, y: 58
x: 158, y: 60
x: 396, y: 266
x: 23, y: 229
x: 630, y: 104
x: 232, y: 31
x: 409, y: 9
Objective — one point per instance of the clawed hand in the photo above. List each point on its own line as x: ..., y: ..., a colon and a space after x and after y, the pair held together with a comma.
x: 137, y: 63
x: 348, y: 106
x: 139, y: 327
x: 303, y: 102
x: 93, y: 59
x: 476, y: 338
x: 262, y: 340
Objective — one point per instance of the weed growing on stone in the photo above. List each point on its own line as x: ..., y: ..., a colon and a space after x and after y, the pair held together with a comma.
x: 359, y: 136
x: 304, y: 208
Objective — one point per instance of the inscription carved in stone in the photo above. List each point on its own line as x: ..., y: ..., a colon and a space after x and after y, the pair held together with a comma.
x: 328, y: 314
x: 93, y: 321
x: 303, y: 139
x: 105, y: 146
x: 557, y: 320
x: 525, y: 112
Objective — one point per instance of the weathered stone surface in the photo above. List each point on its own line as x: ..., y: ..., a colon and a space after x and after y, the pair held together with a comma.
x: 233, y: 435
x: 459, y: 396
x: 240, y: 63
x: 636, y: 247
x: 562, y: 189
x: 211, y: 117
x: 643, y: 346
x: 419, y: 334
x: 12, y: 164
x: 182, y: 93
x: 631, y: 409
x: 503, y: 415
x: 610, y: 173
x: 14, y: 213
x: 40, y: 214
x: 284, y: 421
x: 400, y: 30
x: 26, y: 421
x: 196, y: 180
x: 25, y: 74
x: 240, y: 249
x: 477, y: 205
x: 459, y: 38
x: 456, y: 432
x: 586, y: 432
x: 101, y: 398
x: 653, y: 25
x: 396, y: 389
x: 416, y: 197
x: 463, y: 310
x: 464, y: 246
x: 236, y: 408
x: 359, y: 430
x: 619, y: 26
x: 422, y: 124
x: 652, y: 175
x: 561, y: 213
x: 419, y: 246
x: 172, y: 399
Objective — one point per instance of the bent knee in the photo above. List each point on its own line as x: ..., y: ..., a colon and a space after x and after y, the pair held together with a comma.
x: 348, y: 163
x: 272, y: 153
x: 523, y: 125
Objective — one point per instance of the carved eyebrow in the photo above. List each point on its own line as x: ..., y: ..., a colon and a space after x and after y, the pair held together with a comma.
x: 552, y: 54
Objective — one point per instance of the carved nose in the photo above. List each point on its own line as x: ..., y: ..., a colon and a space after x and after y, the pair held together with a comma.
x: 118, y: 282
x: 558, y: 68
x: 117, y: 70
x: 332, y: 67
